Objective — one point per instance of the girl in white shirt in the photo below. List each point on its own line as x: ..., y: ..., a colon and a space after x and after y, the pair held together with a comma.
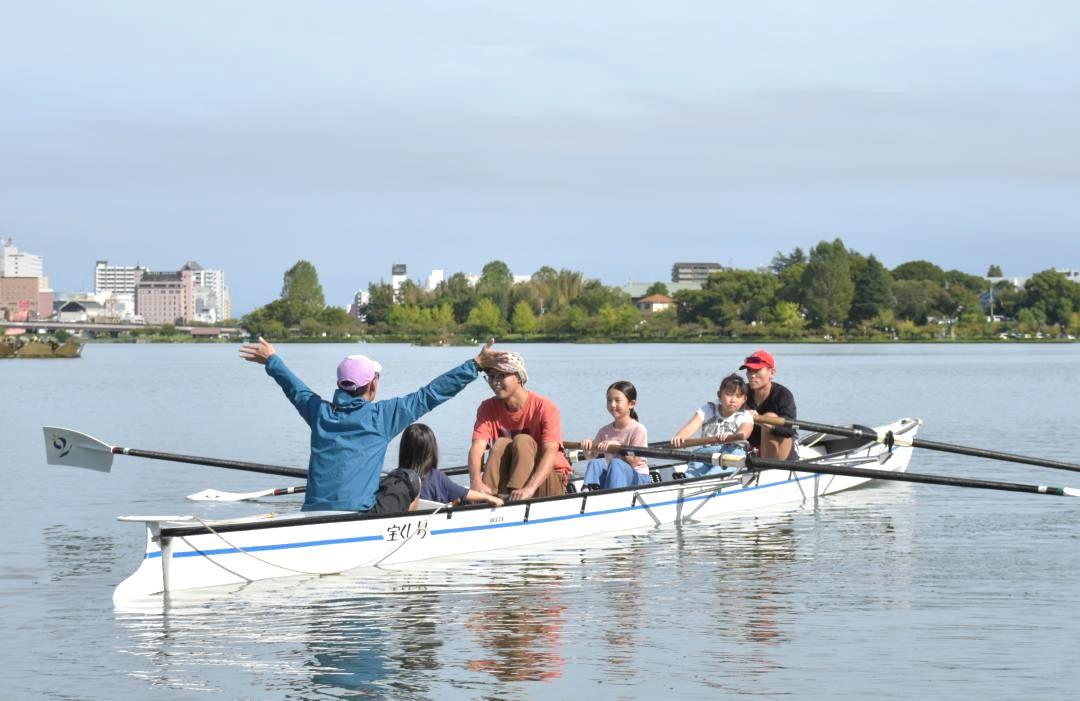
x: 728, y: 421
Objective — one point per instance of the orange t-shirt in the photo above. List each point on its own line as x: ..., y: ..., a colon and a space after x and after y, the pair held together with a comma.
x: 538, y: 417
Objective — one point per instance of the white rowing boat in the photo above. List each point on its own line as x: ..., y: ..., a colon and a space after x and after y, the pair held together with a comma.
x: 189, y: 552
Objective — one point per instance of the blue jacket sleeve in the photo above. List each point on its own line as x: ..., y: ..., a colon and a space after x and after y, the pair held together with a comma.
x: 396, y: 414
x: 305, y: 401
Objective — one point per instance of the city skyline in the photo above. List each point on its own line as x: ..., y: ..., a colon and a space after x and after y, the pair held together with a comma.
x: 598, y: 138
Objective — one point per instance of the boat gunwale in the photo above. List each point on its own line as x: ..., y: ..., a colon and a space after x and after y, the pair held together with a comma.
x: 348, y: 517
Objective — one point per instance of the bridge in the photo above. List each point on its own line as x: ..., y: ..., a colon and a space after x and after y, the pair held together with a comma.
x: 95, y: 328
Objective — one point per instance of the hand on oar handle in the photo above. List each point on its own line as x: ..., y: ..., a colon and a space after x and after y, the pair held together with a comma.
x: 257, y: 352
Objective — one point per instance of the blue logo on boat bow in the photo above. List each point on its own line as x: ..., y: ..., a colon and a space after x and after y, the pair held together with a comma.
x: 61, y: 445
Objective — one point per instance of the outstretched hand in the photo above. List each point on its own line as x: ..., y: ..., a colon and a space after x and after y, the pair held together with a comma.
x: 257, y: 352
x: 488, y: 358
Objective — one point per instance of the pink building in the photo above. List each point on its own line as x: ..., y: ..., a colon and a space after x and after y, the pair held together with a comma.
x: 166, y: 298
x: 20, y: 297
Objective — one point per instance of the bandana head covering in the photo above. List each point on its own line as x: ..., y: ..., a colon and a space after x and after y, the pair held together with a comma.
x: 513, y: 364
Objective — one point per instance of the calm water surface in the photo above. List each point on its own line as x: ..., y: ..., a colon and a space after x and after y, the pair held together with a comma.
x: 895, y: 591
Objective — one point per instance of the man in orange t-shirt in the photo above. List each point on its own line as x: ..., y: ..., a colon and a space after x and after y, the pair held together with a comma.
x: 524, y: 433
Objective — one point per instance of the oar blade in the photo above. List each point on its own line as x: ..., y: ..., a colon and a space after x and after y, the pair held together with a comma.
x: 66, y: 447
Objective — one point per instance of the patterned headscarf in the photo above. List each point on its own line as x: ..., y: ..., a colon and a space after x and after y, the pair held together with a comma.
x: 514, y: 364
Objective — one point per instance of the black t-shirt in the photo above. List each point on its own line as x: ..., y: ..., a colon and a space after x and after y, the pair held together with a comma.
x: 780, y: 402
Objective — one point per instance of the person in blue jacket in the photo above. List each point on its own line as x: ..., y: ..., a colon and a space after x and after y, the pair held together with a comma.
x: 350, y: 434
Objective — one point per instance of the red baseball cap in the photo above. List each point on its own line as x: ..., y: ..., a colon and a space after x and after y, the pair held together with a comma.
x: 757, y: 360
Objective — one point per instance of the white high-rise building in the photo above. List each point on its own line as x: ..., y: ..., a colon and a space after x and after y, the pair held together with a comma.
x: 358, y: 308
x: 212, y: 303
x: 118, y: 279
x: 16, y: 263
x: 437, y: 275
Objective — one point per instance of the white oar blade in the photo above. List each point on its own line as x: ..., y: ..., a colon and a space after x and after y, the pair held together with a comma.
x: 215, y: 495
x: 66, y: 447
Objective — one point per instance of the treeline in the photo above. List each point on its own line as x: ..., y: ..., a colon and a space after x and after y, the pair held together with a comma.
x: 301, y: 311
x: 832, y: 291
x: 552, y: 304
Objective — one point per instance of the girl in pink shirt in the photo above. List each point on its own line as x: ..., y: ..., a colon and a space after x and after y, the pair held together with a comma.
x: 612, y: 470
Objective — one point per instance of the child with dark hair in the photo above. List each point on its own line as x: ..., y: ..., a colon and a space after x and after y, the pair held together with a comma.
x: 419, y: 452
x: 728, y: 421
x: 607, y: 471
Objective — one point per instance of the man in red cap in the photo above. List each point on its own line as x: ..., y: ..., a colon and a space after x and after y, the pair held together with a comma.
x: 768, y: 398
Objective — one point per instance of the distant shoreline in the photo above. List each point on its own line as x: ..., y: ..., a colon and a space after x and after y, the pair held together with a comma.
x: 591, y: 341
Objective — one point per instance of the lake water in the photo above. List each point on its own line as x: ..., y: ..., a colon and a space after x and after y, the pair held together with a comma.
x: 894, y: 591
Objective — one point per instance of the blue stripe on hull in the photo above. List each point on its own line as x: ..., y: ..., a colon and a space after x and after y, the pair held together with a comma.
x: 488, y: 526
x: 263, y: 548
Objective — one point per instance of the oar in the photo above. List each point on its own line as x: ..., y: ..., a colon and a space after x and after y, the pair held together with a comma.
x: 64, y: 446
x: 752, y: 463
x: 219, y: 495
x: 882, y: 436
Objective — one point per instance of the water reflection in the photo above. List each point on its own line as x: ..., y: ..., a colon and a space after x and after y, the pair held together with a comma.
x: 519, y: 625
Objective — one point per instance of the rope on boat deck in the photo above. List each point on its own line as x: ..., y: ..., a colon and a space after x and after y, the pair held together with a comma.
x: 238, y: 549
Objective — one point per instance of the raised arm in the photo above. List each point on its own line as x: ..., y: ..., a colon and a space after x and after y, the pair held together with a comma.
x: 301, y: 396
x: 398, y: 413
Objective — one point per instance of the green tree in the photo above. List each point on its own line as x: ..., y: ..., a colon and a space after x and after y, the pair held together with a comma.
x: 781, y: 262
x: 914, y: 299
x: 919, y: 270
x: 273, y: 329
x: 495, y: 284
x: 827, y: 284
x: 380, y: 303
x: 338, y: 322
x: 994, y: 271
x: 524, y: 320
x: 442, y: 319
x: 301, y: 293
x: 485, y: 319
x: 310, y: 327
x: 790, y: 284
x: 1052, y: 296
x: 458, y: 293
x: 657, y: 288
x: 411, y: 293
x: 594, y: 295
x: 957, y: 278
x: 873, y: 291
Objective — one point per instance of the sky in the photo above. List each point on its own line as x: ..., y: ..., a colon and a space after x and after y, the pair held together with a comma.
x: 614, y: 138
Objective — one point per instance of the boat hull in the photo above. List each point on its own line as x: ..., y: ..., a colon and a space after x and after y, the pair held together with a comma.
x: 194, y: 553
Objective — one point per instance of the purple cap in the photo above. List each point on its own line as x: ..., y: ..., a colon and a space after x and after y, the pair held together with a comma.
x: 356, y: 371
